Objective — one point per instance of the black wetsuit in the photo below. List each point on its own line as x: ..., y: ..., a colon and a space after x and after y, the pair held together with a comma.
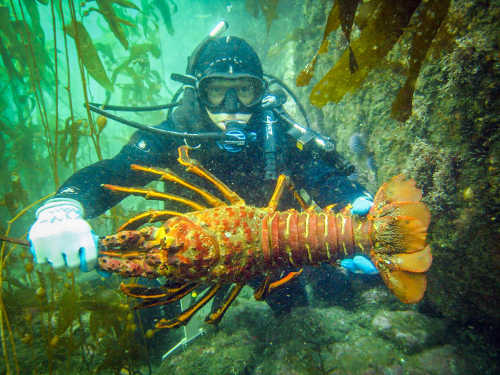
x: 242, y: 171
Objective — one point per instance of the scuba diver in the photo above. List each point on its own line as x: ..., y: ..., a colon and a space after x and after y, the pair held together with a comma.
x: 237, y: 129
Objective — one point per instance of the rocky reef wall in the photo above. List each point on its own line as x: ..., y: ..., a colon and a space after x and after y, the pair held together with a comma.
x: 450, y: 144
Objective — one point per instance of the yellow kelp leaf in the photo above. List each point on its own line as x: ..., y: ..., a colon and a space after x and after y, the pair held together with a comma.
x: 332, y: 24
x: 376, y: 40
x: 365, y: 12
x: 428, y: 22
x: 106, y: 9
x: 88, y: 53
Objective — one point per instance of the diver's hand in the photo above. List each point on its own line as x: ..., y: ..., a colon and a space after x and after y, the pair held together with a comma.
x: 362, y: 205
x: 61, y: 237
x: 359, y: 264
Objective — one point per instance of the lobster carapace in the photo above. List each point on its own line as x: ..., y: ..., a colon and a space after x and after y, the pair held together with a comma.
x: 233, y: 243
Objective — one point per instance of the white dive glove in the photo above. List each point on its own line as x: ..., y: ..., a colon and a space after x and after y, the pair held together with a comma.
x: 61, y: 237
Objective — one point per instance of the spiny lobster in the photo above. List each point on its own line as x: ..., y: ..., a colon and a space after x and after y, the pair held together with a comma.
x: 231, y: 244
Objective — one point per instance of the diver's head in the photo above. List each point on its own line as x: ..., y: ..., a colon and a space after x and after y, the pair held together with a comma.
x: 230, y: 80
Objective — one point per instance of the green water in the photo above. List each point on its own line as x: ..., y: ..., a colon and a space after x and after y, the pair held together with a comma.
x: 426, y: 107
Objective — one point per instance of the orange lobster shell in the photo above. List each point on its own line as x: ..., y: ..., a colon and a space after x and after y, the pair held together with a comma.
x: 231, y: 244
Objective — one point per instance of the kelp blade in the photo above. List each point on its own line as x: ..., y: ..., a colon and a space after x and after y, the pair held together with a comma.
x: 88, y: 53
x: 375, y: 41
x: 429, y: 20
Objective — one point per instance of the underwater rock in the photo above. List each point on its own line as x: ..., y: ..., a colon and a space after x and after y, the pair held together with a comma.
x: 220, y: 353
x: 443, y: 360
x: 409, y: 330
x: 361, y: 355
x: 376, y: 297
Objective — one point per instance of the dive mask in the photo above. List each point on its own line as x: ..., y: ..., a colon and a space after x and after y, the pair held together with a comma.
x: 230, y: 95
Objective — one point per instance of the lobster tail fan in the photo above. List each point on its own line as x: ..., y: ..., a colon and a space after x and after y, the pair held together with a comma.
x: 408, y: 287
x: 397, y: 189
x: 400, y: 251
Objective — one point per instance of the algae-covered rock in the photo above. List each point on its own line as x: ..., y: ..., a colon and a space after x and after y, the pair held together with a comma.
x: 409, y: 330
x: 362, y: 354
x: 220, y: 353
x: 449, y: 145
x: 442, y: 360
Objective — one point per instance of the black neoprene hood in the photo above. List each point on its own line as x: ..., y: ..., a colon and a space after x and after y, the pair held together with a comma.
x: 227, y: 56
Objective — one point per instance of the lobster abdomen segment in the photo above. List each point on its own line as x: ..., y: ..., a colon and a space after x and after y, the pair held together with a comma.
x: 292, y: 238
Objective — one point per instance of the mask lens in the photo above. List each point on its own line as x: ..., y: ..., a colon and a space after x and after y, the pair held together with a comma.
x: 248, y: 90
x: 215, y: 93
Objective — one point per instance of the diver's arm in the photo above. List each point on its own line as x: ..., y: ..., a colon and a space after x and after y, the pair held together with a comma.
x: 85, y: 185
x: 315, y: 172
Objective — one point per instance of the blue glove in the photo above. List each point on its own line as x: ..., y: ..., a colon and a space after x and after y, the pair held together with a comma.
x: 362, y: 205
x: 359, y: 264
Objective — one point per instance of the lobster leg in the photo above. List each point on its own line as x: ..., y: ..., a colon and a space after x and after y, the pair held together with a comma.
x: 282, y: 182
x: 147, y: 217
x: 216, y: 316
x: 284, y: 280
x: 278, y: 191
x: 166, y: 301
x: 262, y: 292
x: 188, y: 314
x: 268, y: 286
x: 145, y: 292
x: 168, y: 175
x: 155, y: 195
x: 195, y: 167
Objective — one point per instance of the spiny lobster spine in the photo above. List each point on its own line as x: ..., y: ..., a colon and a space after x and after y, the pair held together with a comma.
x: 301, y: 238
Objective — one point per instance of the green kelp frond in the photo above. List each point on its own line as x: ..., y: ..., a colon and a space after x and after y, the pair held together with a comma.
x: 11, y: 49
x: 136, y: 52
x: 382, y: 22
x: 164, y: 9
x: 107, y: 11
x: 267, y: 7
x: 32, y: 9
x: 22, y: 44
x: 7, y: 62
x: 88, y: 53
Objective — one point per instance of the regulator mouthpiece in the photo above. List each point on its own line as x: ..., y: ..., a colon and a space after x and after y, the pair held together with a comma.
x: 221, y: 27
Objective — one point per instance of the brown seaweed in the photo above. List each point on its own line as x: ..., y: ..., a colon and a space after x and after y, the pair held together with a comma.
x: 347, y: 9
x: 375, y: 41
x: 382, y: 22
x: 114, y: 22
x: 428, y: 22
x: 332, y: 24
x: 88, y: 53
